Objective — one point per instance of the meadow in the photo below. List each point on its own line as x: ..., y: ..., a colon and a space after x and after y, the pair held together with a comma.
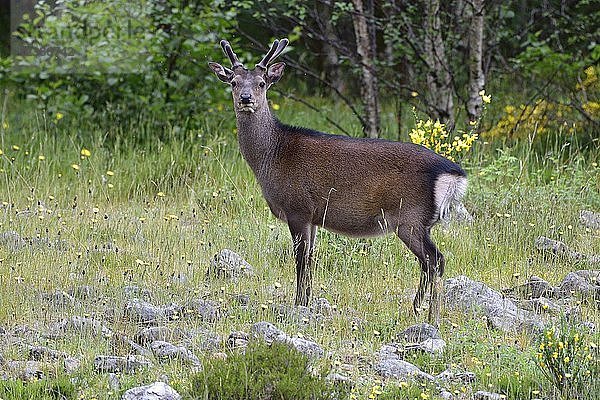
x: 106, y: 207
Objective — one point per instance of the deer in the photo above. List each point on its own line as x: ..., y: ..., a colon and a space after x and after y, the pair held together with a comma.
x: 358, y: 187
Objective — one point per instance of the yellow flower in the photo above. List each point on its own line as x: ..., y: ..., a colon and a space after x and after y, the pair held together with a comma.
x: 414, y: 94
x: 1, y: 152
x: 486, y: 99
x: 160, y: 194
x: 75, y: 167
x: 110, y: 173
x: 275, y: 106
x: 41, y: 157
x: 85, y: 152
x: 59, y: 116
x: 5, y: 125
x: 15, y: 147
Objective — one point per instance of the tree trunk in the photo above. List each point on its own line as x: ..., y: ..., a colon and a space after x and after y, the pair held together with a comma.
x: 331, y: 61
x: 476, y: 75
x: 365, y: 46
x: 439, y: 78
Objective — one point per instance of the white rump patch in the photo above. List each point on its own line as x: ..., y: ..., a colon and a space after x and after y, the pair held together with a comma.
x: 448, y: 191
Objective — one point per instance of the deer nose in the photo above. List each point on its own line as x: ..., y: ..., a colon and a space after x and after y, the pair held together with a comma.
x: 245, y: 98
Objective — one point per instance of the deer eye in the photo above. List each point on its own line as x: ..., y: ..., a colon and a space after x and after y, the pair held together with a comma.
x: 262, y: 84
x: 233, y: 84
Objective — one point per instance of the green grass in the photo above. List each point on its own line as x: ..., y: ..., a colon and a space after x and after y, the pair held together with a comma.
x: 171, y: 205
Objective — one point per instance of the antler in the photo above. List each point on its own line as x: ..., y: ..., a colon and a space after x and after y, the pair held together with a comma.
x: 235, y: 62
x: 275, y: 50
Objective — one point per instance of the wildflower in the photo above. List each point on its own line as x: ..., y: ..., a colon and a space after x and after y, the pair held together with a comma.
x: 110, y: 173
x: 414, y: 94
x: 85, y: 152
x: 1, y: 152
x: 487, y: 99
x: 160, y: 194
x: 5, y: 125
x: 41, y: 157
x: 15, y: 147
x: 275, y: 106
x: 59, y: 116
x: 75, y: 167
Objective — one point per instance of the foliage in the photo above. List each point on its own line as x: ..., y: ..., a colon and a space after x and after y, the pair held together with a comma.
x: 569, y: 359
x: 45, y: 389
x: 263, y: 372
x: 120, y: 59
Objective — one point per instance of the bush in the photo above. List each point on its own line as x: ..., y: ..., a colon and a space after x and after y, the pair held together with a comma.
x: 264, y: 372
x: 120, y: 59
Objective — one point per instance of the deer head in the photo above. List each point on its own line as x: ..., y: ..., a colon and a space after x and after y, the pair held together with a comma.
x: 249, y: 87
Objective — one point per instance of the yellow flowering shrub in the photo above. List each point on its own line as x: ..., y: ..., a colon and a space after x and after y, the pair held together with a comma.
x: 542, y: 116
x: 434, y: 136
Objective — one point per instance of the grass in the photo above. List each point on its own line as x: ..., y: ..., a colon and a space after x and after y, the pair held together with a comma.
x: 168, y: 206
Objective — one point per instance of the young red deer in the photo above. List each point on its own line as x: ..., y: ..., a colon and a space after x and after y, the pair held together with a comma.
x: 356, y: 187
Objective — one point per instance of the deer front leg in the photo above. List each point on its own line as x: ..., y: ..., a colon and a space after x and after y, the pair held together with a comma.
x: 302, y: 238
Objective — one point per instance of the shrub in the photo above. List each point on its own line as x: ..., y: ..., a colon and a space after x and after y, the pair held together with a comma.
x: 434, y: 136
x: 569, y: 359
x: 264, y: 372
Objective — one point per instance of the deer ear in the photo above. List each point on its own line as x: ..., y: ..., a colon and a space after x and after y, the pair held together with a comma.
x: 275, y: 72
x: 223, y: 73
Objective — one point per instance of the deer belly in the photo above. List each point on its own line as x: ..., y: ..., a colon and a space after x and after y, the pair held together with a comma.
x: 355, y: 224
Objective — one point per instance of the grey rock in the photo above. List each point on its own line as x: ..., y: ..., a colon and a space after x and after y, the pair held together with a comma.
x: 584, y: 283
x: 418, y: 333
x: 297, y: 314
x: 39, y: 353
x: 207, y: 310
x: 134, y: 291
x: 205, y: 339
x: 168, y: 351
x: 560, y: 249
x: 149, y: 314
x: 457, y: 376
x: 267, y: 332
x: 155, y: 391
x: 12, y: 241
x: 446, y: 395
x: 535, y: 287
x: 27, y: 370
x: 121, y: 341
x: 306, y: 347
x: 481, y: 395
x: 468, y: 296
x: 71, y: 364
x: 229, y: 264
x: 113, y: 381
x: 321, y: 306
x: 58, y: 298
x: 540, y: 305
x: 237, y: 340
x: 338, y: 378
x: 116, y: 364
x: 432, y: 346
x: 400, y: 369
x: 153, y: 333
x: 79, y: 325
x: 590, y: 219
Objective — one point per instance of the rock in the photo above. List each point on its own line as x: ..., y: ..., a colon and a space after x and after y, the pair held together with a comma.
x: 321, y: 306
x: 155, y: 391
x: 58, y: 298
x: 446, y: 395
x: 38, y: 353
x: 481, y: 395
x: 337, y: 378
x: 267, y: 332
x: 590, y: 219
x: 168, y: 351
x: 83, y: 292
x: 540, y: 305
x: 120, y: 342
x: 306, y: 347
x: 134, y: 291
x: 400, y: 369
x: 12, y: 241
x: 79, y: 325
x: 432, y: 346
x: 456, y: 376
x: 297, y: 314
x: 116, y: 364
x: 584, y: 283
x: 71, y: 364
x: 419, y: 333
x: 238, y: 340
x: 468, y: 296
x: 558, y: 248
x: 153, y: 333
x: 27, y: 370
x: 113, y: 382
x: 532, y: 289
x: 205, y: 339
x: 207, y: 310
x: 149, y: 314
x: 229, y: 264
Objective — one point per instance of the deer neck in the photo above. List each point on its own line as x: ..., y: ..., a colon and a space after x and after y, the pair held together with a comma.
x: 259, y: 137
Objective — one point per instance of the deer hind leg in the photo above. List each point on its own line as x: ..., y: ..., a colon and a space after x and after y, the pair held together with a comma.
x: 432, y: 265
x: 303, y: 240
